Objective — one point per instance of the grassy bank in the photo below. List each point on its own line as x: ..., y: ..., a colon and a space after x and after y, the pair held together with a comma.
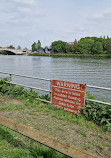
x: 14, y: 145
x: 73, y: 55
x: 19, y: 105
x: 54, y: 122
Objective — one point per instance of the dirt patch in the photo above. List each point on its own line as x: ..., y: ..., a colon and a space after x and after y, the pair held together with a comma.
x: 15, y: 101
x: 4, y: 100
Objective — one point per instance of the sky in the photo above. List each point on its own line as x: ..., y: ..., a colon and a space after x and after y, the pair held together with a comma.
x: 23, y: 22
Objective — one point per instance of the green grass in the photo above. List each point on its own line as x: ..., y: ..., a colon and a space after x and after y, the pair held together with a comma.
x: 19, y: 105
x: 82, y: 131
x: 14, y: 145
x: 47, y: 118
x: 87, y: 146
x: 100, y: 146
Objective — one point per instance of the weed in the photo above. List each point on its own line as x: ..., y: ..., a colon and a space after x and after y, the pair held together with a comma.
x: 100, y: 146
x: 109, y: 146
x: 87, y: 146
x: 82, y: 131
x: 99, y: 113
x: 58, y: 128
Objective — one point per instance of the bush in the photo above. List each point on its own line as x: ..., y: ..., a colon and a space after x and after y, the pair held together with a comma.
x: 16, y: 91
x: 99, y: 113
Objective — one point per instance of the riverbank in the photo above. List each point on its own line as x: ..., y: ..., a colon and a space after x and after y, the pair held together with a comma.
x: 64, y: 55
x: 20, y: 105
x: 72, y: 55
x: 54, y: 122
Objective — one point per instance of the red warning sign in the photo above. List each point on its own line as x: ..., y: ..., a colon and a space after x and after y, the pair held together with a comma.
x: 68, y: 95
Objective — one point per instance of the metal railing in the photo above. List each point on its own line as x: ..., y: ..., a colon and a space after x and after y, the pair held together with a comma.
x: 98, y: 101
x: 32, y: 77
x: 50, y: 91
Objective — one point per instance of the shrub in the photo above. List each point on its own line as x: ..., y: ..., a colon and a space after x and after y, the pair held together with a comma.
x: 99, y: 113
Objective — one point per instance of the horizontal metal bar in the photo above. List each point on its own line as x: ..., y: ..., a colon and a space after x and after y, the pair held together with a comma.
x: 43, y: 100
x: 32, y: 77
x: 96, y: 87
x: 30, y: 87
x: 4, y: 73
x: 26, y: 76
x: 97, y: 101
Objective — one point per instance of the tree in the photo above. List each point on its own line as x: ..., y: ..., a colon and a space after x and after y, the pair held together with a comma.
x: 68, y: 47
x: 97, y: 48
x: 71, y: 47
x: 39, y: 44
x: 19, y: 47
x: 74, y: 46
x: 58, y: 46
x: 11, y: 47
x: 46, y: 47
x: 34, y: 46
x: 85, y: 45
x: 108, y: 45
x: 101, y: 40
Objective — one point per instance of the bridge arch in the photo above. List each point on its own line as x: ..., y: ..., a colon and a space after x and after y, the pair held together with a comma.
x: 7, y: 52
x: 10, y: 51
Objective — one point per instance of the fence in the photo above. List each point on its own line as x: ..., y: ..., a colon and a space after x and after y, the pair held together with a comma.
x: 50, y: 91
x: 97, y: 101
x: 37, y: 78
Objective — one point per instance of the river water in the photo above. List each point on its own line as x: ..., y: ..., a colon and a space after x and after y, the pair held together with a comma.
x: 91, y: 71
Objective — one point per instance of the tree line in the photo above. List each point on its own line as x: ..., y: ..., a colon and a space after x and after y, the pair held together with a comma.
x: 18, y: 47
x: 87, y: 45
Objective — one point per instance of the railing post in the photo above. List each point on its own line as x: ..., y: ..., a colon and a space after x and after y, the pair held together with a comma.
x: 10, y: 80
x: 85, y: 95
x: 50, y: 90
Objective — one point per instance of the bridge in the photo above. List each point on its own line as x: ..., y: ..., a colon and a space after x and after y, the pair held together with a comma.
x: 10, y: 51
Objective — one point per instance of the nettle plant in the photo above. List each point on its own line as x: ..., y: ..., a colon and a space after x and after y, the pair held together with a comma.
x: 99, y: 113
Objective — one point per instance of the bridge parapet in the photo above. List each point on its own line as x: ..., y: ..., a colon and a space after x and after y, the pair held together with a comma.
x: 15, y: 51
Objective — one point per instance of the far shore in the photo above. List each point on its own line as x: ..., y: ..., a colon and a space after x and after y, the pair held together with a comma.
x: 64, y: 55
x: 71, y: 55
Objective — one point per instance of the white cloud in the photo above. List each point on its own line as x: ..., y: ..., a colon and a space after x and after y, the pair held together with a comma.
x: 16, y: 14
x: 80, y: 29
x: 104, y: 15
x: 25, y: 10
x: 30, y: 12
x: 26, y: 2
x: 47, y: 20
x: 98, y: 16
